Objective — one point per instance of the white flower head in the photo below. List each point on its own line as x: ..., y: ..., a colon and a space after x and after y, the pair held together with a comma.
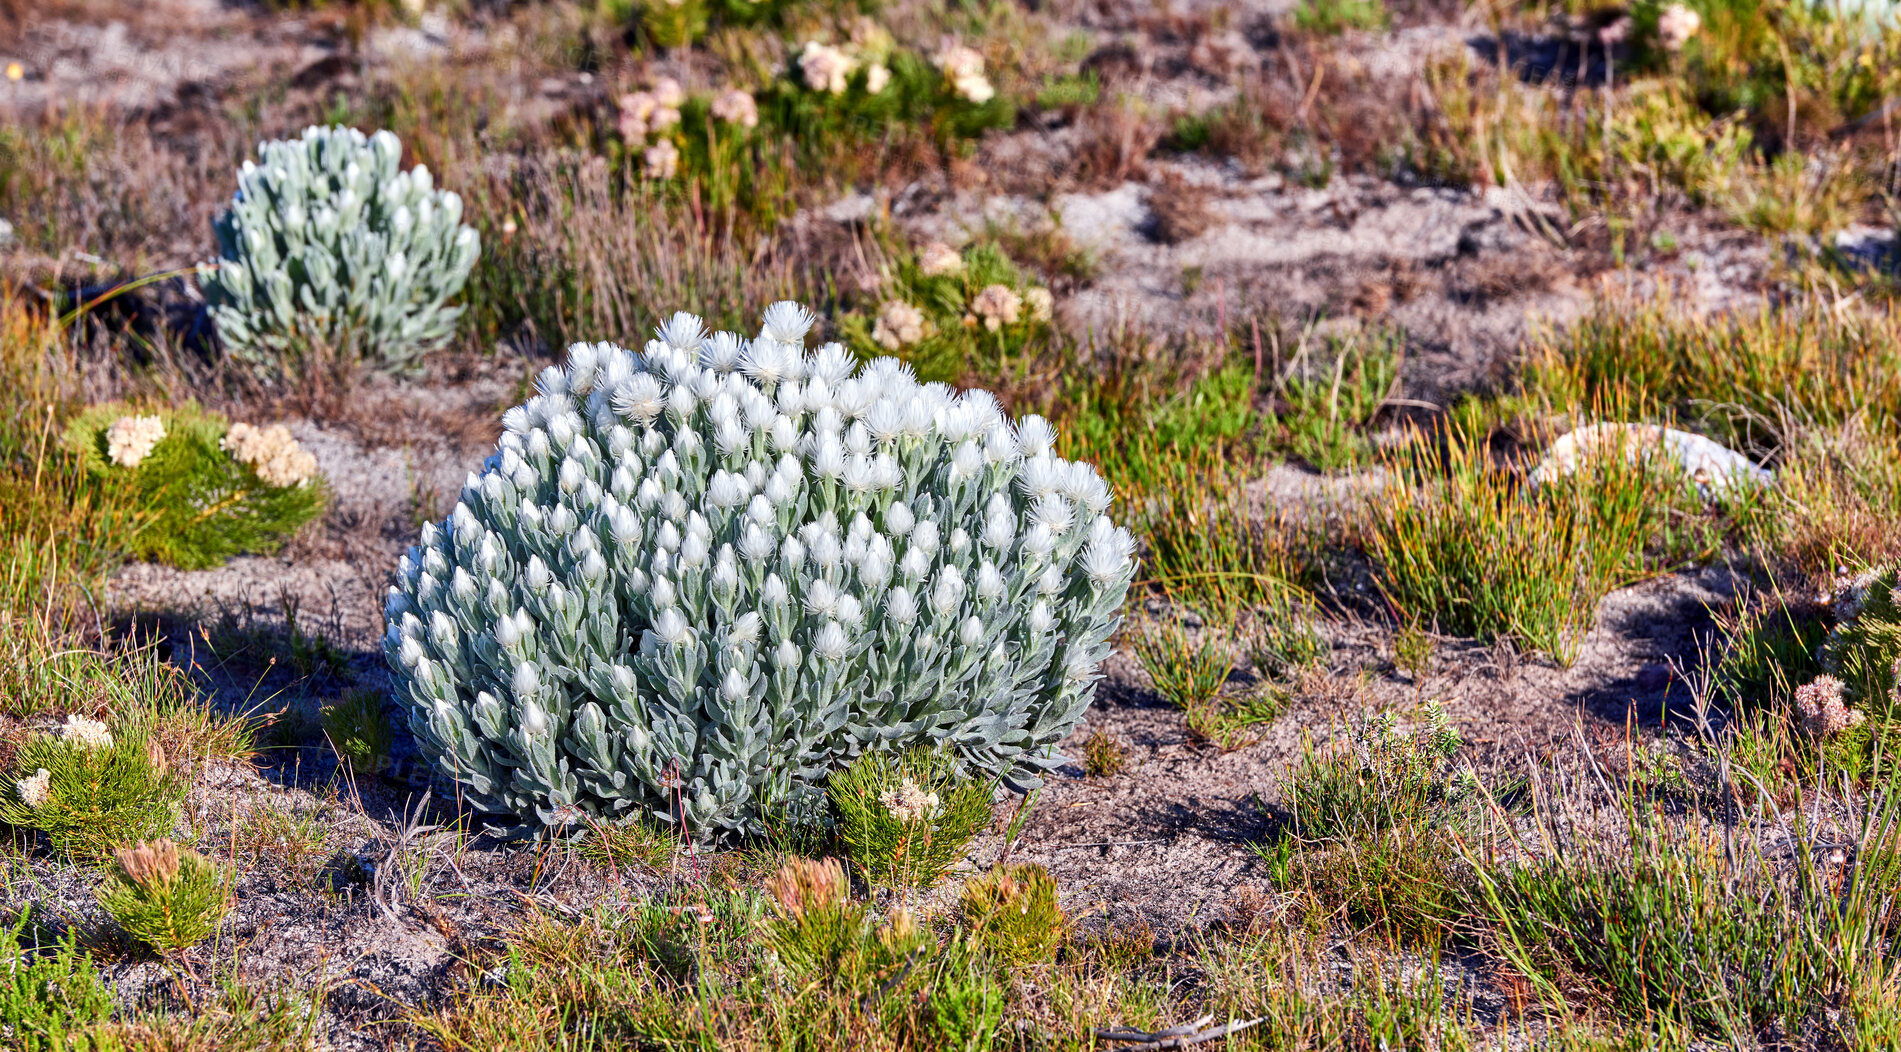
x: 937, y: 259
x: 824, y: 67
x: 736, y: 107
x: 909, y: 802
x: 36, y: 788
x: 786, y: 322
x: 86, y: 732
x: 131, y: 439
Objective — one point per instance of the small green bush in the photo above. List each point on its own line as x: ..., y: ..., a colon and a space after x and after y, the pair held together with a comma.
x: 359, y: 732
x: 48, y: 1000
x: 203, y: 492
x: 907, y: 821
x: 1329, y: 401
x: 167, y: 897
x: 1866, y: 642
x: 1012, y: 912
x: 1334, y: 17
x: 89, y: 794
x: 949, y: 312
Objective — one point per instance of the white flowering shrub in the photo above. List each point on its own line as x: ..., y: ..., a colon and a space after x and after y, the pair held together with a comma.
x: 328, y: 240
x: 694, y: 581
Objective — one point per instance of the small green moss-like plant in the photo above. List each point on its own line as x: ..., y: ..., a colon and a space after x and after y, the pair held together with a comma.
x: 1012, y: 912
x: 907, y: 820
x: 330, y: 249
x: 1333, y: 17
x: 165, y: 896
x: 89, y: 793
x: 359, y: 732
x: 48, y: 1000
x: 198, y: 489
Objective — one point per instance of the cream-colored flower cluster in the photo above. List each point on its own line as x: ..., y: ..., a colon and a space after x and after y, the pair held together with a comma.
x: 1676, y: 25
x: 131, y: 439
x: 86, y: 732
x: 653, y: 112
x: 996, y: 306
x: 899, y: 325
x: 908, y: 802
x: 272, y: 453
x: 36, y: 788
x: 735, y: 106
x: 825, y: 68
x: 964, y: 68
x: 938, y: 259
x: 1823, y: 711
x: 828, y: 67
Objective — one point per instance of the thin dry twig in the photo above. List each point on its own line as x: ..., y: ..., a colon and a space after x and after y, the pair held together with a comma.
x: 1184, y: 1036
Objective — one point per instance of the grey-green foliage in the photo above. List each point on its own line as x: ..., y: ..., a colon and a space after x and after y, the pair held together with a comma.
x: 702, y: 578
x: 329, y: 242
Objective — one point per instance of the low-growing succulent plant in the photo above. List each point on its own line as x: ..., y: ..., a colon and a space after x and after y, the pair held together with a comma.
x: 695, y: 581
x: 329, y: 242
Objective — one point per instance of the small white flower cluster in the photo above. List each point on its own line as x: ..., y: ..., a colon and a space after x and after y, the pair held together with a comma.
x: 964, y: 68
x: 1676, y: 25
x: 938, y: 259
x: 996, y: 306
x: 714, y: 571
x: 908, y: 802
x: 828, y: 68
x: 1823, y: 711
x: 271, y: 452
x: 899, y: 325
x: 825, y: 68
x: 86, y: 732
x: 35, y: 789
x: 735, y: 106
x: 131, y: 439
x: 653, y: 112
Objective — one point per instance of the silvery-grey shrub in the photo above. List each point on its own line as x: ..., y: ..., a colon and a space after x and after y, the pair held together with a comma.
x: 329, y: 241
x: 695, y: 580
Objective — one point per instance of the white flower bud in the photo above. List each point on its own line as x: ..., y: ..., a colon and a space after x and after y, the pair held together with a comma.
x: 900, y: 606
x: 898, y: 518
x: 971, y: 632
x: 830, y: 643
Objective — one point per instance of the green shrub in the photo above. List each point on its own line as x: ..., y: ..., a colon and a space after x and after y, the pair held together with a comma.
x: 49, y: 1000
x: 1187, y: 669
x: 167, y: 897
x: 1866, y: 642
x: 907, y: 821
x: 359, y: 732
x: 330, y: 249
x: 1386, y: 775
x: 89, y: 789
x: 204, y: 491
x: 1011, y: 911
x: 950, y: 313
